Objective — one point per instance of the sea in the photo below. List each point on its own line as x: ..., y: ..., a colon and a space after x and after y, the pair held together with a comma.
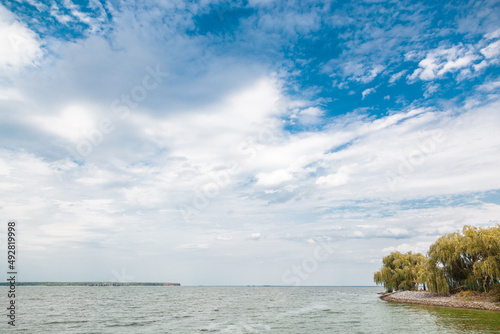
x: 304, y: 310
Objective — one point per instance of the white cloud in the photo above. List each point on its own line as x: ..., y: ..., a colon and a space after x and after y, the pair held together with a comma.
x: 492, y: 50
x: 37, y: 4
x: 466, y: 60
x: 312, y: 112
x: 492, y: 35
x: 335, y: 180
x: 94, y: 22
x: 255, y: 236
x: 19, y: 46
x: 367, y: 92
x: 396, y: 76
x: 55, y: 12
x: 444, y: 60
x: 430, y: 89
x: 72, y: 123
x: 274, y: 178
x: 489, y: 86
x: 358, y: 70
x: 419, y: 247
x: 309, y: 116
x: 397, y: 231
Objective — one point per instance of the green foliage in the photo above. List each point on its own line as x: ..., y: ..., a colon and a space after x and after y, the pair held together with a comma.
x: 401, y: 271
x: 457, y: 261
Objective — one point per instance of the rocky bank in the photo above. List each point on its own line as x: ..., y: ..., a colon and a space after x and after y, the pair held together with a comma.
x: 428, y: 298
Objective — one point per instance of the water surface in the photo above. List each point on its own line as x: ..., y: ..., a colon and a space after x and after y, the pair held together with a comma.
x: 143, y: 309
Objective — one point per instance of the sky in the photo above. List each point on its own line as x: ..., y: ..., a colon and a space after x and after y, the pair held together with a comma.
x: 244, y: 142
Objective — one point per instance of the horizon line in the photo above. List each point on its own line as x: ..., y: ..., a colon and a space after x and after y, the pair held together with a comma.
x: 191, y: 285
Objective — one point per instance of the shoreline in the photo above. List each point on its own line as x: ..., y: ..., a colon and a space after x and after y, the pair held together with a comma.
x: 91, y: 284
x: 431, y: 299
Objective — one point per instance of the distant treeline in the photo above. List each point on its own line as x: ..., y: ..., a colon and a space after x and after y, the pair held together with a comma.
x: 90, y: 284
x: 457, y: 261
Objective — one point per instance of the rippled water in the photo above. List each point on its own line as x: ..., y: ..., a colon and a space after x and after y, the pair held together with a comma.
x: 232, y: 310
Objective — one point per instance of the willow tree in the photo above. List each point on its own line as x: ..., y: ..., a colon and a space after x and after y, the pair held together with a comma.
x: 401, y: 271
x: 470, y: 260
x: 484, y: 245
x: 447, y: 269
x: 435, y: 277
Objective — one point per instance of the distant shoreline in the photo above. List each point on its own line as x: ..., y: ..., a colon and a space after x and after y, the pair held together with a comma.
x: 92, y: 284
x: 431, y: 299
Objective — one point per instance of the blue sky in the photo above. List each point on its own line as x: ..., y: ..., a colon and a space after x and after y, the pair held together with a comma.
x: 244, y: 142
